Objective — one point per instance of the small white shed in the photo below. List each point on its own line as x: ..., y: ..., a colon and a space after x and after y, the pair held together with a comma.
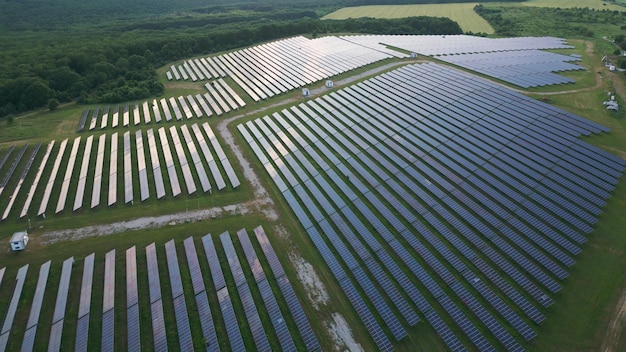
x: 19, y: 241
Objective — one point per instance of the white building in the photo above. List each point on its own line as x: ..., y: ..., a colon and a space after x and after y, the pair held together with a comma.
x: 19, y: 241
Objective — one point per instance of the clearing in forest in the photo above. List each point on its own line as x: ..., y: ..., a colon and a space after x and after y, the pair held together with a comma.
x: 463, y: 14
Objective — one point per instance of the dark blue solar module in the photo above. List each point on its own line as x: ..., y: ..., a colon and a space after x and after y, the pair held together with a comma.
x: 474, y: 188
x: 108, y: 333
x: 133, y: 337
x: 82, y: 330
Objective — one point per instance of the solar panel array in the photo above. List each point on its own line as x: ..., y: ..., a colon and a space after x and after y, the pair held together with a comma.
x: 266, y: 70
x: 528, y: 68
x: 265, y: 297
x: 432, y: 45
x: 198, y: 146
x: 219, y: 99
x: 478, y: 195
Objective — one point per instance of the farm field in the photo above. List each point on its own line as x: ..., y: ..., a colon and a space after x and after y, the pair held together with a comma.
x: 463, y: 14
x: 592, y: 4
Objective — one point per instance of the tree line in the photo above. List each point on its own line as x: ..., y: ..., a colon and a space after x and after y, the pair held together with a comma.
x: 119, y: 66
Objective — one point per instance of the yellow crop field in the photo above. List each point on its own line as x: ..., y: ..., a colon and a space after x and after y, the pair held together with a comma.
x: 592, y: 4
x: 463, y: 14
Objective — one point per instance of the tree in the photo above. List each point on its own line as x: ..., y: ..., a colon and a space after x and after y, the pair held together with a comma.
x: 53, y: 104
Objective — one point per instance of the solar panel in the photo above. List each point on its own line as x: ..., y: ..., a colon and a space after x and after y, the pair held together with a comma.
x: 18, y: 187
x: 180, y: 309
x: 128, y: 170
x: 169, y: 163
x: 35, y: 309
x: 132, y: 296
x: 109, y: 281
x: 215, y: 172
x: 108, y: 333
x: 202, y: 304
x: 182, y: 158
x: 412, y: 135
x: 133, y: 338
x: 97, y: 182
x: 12, y: 307
x: 86, y: 283
x: 82, y: 332
x: 230, y: 320
x: 113, y: 171
x: 250, y: 310
x: 35, y: 183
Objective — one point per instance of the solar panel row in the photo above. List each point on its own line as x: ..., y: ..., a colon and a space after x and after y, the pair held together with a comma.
x: 35, y: 183
x: 18, y: 187
x: 425, y: 181
x: 156, y: 305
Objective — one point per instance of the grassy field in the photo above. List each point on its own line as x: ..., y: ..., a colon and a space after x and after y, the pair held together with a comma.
x: 592, y: 4
x: 463, y: 14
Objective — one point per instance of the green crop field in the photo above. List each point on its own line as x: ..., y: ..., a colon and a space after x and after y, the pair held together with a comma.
x: 592, y: 4
x: 463, y: 14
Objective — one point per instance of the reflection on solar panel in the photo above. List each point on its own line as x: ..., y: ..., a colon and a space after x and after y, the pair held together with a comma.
x: 304, y: 327
x: 108, y: 333
x: 226, y: 306
x: 54, y: 343
x: 177, y: 113
x: 269, y: 300
x: 97, y: 178
x: 156, y: 305
x: 12, y: 167
x: 182, y: 161
x: 82, y: 325
x: 12, y: 307
x: 195, y: 157
x: 437, y: 195
x: 116, y: 115
x: 35, y: 309
x: 232, y: 177
x: 202, y: 303
x: 156, y: 165
x: 141, y: 166
x: 83, y: 119
x: 169, y: 162
x: 52, y: 178
x: 132, y: 301
x: 146, y: 112
x: 113, y: 171
x: 105, y: 117
x: 178, y: 296
x: 528, y: 68
x: 166, y: 110
x: 186, y: 109
x: 215, y: 172
x: 128, y: 170
x: 68, y: 176
x: 33, y: 187
x: 156, y: 111
x: 136, y: 114
x: 82, y: 177
x: 125, y: 116
x: 18, y: 187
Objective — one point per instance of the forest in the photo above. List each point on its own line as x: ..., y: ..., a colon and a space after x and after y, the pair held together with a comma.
x: 117, y: 63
